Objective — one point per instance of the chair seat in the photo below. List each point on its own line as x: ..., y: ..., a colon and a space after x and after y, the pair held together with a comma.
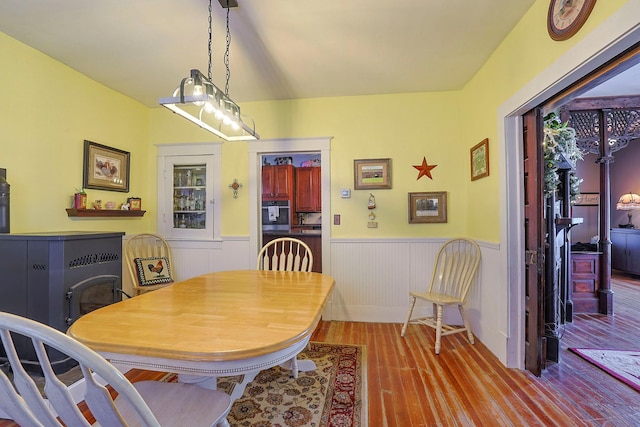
x: 145, y: 403
x: 436, y: 298
x: 454, y: 270
x: 176, y: 404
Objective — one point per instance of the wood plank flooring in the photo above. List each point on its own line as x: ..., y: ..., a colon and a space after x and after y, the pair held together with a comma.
x: 467, y: 386
x: 409, y: 386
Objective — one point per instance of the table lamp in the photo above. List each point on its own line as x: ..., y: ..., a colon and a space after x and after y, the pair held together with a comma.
x: 628, y: 202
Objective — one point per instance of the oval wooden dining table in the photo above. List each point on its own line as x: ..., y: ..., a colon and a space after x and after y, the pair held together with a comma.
x: 218, y: 324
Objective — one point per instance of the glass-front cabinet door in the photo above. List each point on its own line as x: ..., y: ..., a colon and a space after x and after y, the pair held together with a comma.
x: 190, y: 191
x: 190, y: 196
x: 189, y: 179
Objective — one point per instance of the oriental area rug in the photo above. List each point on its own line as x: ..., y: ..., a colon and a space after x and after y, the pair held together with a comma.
x: 624, y: 365
x: 333, y: 395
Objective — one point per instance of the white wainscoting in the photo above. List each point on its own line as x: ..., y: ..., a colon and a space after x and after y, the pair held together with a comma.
x: 373, y: 279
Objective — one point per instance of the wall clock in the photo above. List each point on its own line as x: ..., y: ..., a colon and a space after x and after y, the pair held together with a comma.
x: 566, y: 17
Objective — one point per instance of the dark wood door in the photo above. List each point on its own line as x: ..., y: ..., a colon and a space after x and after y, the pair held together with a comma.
x: 534, y: 240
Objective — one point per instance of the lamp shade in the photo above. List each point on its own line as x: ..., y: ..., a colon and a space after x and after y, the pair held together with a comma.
x: 628, y: 201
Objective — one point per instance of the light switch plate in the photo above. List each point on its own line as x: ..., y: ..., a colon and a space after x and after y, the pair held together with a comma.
x: 345, y: 193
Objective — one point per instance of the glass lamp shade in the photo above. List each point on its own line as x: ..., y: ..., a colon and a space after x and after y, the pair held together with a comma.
x: 627, y: 202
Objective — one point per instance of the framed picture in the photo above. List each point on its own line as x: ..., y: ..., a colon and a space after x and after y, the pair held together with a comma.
x: 372, y: 174
x: 480, y: 160
x: 427, y: 207
x: 587, y: 199
x: 135, y: 203
x: 105, y: 168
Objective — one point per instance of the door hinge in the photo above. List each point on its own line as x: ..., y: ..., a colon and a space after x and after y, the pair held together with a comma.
x: 534, y: 257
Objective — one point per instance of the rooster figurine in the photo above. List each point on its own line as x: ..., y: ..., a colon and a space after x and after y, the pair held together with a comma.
x: 157, y: 268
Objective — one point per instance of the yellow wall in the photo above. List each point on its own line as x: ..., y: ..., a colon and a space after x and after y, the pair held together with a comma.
x: 404, y: 127
x: 522, y: 55
x: 49, y: 109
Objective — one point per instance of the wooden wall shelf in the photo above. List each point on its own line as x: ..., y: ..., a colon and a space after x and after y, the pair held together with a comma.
x: 104, y: 213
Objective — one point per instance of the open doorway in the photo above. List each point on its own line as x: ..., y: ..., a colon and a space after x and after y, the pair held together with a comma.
x: 291, y: 205
x: 303, y: 150
x: 585, y: 57
x: 577, y: 278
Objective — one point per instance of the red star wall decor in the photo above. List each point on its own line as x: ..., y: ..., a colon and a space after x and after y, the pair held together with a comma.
x: 424, y: 168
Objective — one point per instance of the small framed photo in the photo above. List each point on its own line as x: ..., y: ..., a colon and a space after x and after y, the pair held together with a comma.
x: 480, y: 160
x: 105, y: 168
x: 370, y: 174
x: 428, y: 207
x: 135, y: 203
x: 587, y: 199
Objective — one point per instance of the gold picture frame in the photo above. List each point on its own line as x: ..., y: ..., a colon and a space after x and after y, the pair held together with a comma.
x: 428, y: 207
x: 480, y: 160
x: 135, y: 203
x: 105, y: 168
x: 371, y: 174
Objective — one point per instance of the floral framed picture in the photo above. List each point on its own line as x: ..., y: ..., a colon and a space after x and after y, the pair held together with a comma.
x: 105, y: 168
x: 480, y: 160
x: 428, y: 207
x: 372, y: 174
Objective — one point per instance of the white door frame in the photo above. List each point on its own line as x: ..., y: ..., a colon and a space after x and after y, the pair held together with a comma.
x: 615, y: 35
x: 293, y: 145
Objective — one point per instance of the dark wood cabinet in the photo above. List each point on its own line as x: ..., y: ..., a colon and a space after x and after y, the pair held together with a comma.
x: 625, y: 250
x: 277, y: 182
x: 308, y: 190
x: 585, y: 281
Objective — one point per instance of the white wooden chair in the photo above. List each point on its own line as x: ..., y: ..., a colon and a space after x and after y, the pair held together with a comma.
x: 144, y: 403
x: 144, y: 250
x: 454, y: 271
x: 285, y: 254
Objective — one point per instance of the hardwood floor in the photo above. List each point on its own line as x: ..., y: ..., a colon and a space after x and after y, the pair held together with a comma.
x: 409, y: 386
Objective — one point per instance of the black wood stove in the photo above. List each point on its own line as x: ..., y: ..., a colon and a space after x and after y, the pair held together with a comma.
x: 57, y: 277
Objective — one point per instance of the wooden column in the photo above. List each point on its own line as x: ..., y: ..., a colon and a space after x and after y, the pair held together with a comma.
x: 605, y: 294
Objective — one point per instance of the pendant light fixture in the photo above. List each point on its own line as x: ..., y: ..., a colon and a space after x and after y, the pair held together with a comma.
x: 198, y: 100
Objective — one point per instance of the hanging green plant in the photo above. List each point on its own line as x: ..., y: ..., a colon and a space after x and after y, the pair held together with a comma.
x: 560, y: 150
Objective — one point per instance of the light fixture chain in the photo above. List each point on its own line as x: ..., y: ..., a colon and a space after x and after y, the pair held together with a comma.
x: 210, y: 37
x: 226, y: 53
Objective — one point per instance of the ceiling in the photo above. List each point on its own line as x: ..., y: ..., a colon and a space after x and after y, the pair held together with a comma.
x: 280, y: 49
